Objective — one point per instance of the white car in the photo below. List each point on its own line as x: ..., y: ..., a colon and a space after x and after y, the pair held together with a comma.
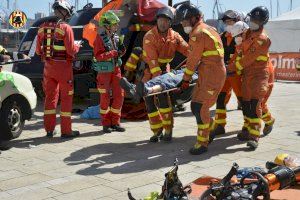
x: 17, y: 102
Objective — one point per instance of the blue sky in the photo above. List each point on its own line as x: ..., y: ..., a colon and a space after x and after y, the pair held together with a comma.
x: 32, y: 6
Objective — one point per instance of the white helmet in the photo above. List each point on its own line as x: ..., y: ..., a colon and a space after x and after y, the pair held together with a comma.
x: 238, y: 28
x: 63, y: 4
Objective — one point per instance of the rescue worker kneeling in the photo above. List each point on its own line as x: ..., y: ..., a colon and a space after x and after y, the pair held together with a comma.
x: 55, y: 44
x: 206, y: 54
x: 108, y: 49
x: 160, y: 45
x: 253, y: 64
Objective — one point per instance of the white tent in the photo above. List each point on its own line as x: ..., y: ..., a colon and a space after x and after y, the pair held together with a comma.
x: 284, y: 31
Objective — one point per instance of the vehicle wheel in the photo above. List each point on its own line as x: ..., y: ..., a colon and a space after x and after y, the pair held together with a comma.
x: 11, y: 119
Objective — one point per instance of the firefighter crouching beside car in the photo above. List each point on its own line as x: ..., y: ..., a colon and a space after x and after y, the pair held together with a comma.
x: 55, y: 45
x: 206, y: 55
x: 254, y: 65
x: 108, y: 50
x: 159, y: 47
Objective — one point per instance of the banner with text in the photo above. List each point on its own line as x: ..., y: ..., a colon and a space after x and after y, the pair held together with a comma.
x: 287, y: 66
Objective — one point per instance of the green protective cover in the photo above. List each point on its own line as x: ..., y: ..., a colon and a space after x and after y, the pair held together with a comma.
x: 105, y: 66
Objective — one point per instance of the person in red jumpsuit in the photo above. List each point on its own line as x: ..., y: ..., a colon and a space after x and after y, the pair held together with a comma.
x: 108, y: 50
x: 55, y: 45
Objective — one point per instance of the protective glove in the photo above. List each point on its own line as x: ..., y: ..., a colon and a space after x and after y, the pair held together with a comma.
x: 114, y: 53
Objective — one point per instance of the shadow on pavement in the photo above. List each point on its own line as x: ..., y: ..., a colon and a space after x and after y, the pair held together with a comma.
x: 123, y: 158
x: 36, y: 141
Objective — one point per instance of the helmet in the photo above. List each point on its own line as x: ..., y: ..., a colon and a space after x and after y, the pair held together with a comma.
x: 242, y: 16
x: 64, y: 5
x: 238, y: 28
x: 260, y: 14
x: 165, y: 12
x: 108, y: 19
x: 230, y: 14
x: 186, y: 11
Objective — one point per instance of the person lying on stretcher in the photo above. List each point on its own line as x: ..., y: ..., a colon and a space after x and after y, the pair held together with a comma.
x: 158, y: 84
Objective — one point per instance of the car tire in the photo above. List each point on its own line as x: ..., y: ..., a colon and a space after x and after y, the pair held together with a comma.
x: 11, y: 118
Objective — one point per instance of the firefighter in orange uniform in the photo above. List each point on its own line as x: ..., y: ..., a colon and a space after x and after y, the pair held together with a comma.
x: 160, y: 45
x: 207, y: 55
x: 254, y: 66
x: 232, y: 82
x: 108, y: 50
x: 55, y: 45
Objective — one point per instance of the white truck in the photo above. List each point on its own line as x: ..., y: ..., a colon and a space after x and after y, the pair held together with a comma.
x: 17, y: 102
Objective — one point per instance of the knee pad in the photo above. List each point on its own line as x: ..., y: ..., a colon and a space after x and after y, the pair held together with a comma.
x: 221, y: 100
x: 163, y: 100
x: 150, y: 105
x: 246, y: 105
x: 196, y: 109
x: 137, y: 51
x: 254, y: 103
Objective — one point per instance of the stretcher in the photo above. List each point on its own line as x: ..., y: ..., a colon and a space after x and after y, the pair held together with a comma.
x: 167, y: 91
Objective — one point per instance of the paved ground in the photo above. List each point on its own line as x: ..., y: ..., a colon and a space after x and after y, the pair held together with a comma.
x: 98, y: 166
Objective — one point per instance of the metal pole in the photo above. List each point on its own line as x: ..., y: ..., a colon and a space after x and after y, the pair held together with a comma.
x: 277, y: 8
x: 7, y: 4
x: 271, y: 9
x: 170, y: 2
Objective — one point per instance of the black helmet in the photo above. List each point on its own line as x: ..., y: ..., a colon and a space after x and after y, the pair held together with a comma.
x: 260, y: 14
x: 230, y: 14
x: 186, y: 11
x: 64, y: 5
x: 165, y: 12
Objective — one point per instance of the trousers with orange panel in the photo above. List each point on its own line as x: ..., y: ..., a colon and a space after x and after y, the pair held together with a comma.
x: 206, y: 49
x: 254, y: 66
x: 266, y: 114
x: 159, y: 50
x: 107, y: 51
x: 232, y: 83
x: 55, y: 44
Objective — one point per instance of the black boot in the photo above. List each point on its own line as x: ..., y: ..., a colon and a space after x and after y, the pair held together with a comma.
x: 252, y: 144
x: 156, y: 137
x: 71, y: 135
x: 244, y: 135
x: 268, y: 128
x: 167, y: 137
x: 219, y: 130
x: 129, y: 88
x: 117, y: 128
x: 50, y: 134
x: 198, y: 151
x: 107, y: 129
